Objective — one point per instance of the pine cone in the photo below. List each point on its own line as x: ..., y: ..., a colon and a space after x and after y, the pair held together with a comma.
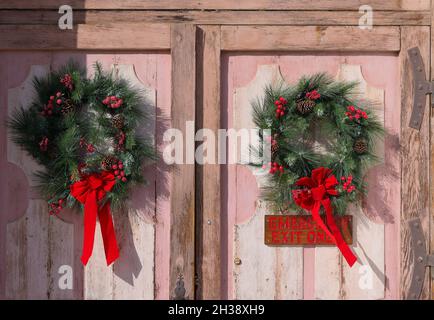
x: 360, y: 146
x: 274, y: 144
x: 118, y: 121
x: 108, y: 162
x: 305, y: 106
x: 67, y: 107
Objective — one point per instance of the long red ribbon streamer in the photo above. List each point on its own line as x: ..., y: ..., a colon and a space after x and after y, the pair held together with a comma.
x: 89, y: 191
x: 333, y: 232
x: 319, y: 187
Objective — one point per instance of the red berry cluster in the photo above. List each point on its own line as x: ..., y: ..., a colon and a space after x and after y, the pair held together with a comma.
x: 49, y: 107
x: 280, y: 107
x: 43, y: 144
x: 56, y: 207
x: 274, y: 168
x: 119, y: 172
x: 355, y: 114
x: 59, y: 98
x: 89, y: 147
x: 113, y: 102
x: 347, y: 184
x: 67, y: 81
x: 313, y: 95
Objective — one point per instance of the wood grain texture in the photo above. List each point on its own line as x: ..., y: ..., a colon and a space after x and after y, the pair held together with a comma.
x: 33, y: 259
x: 37, y: 244
x: 263, y: 272
x: 432, y: 159
x: 90, y: 37
x: 279, y: 38
x: 163, y: 181
x: 182, y: 261
x: 367, y: 280
x: 98, y: 277
x: 132, y: 275
x: 208, y: 174
x: 333, y: 278
x: 222, y: 4
x: 415, y: 156
x: 319, y: 18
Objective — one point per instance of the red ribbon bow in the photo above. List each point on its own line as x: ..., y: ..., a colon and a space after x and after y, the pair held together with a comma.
x: 90, y: 190
x: 318, y: 188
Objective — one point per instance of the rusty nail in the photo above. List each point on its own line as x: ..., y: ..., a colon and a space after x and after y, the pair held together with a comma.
x: 420, y: 259
x: 209, y: 222
x: 237, y: 261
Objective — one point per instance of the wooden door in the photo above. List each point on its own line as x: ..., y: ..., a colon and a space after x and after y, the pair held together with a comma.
x: 258, y: 271
x: 253, y: 56
x: 38, y: 249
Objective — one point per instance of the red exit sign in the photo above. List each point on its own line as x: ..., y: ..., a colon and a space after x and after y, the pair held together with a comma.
x: 297, y: 230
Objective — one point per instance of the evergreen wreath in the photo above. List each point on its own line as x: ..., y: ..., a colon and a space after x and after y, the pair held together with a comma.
x: 77, y: 126
x: 293, y: 114
x: 85, y: 134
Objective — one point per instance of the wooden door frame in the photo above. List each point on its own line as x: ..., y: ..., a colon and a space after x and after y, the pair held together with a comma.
x: 205, y: 34
x: 414, y: 145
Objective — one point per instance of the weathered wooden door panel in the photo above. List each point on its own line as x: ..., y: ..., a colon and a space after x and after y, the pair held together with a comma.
x: 36, y: 247
x: 257, y: 271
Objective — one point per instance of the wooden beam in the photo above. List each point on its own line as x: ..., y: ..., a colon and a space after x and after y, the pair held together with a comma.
x: 320, y: 18
x: 182, y: 230
x: 86, y: 37
x: 285, y: 38
x: 208, y: 188
x: 431, y: 161
x: 221, y: 4
x: 415, y: 150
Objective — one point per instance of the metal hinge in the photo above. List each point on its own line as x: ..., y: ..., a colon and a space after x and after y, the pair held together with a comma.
x: 421, y: 259
x: 421, y: 88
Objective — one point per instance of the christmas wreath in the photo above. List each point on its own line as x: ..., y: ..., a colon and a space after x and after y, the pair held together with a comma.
x: 84, y: 133
x: 306, y: 175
